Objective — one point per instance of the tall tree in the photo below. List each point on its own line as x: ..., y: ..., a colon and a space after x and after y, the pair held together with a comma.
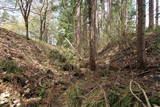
x: 151, y: 14
x: 43, y: 12
x: 157, y: 11
x: 92, y: 6
x: 85, y: 36
x: 66, y: 23
x: 140, y: 32
x: 78, y: 24
x: 25, y: 7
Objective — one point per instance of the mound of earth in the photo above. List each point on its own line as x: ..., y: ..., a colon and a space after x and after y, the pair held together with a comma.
x: 122, y: 60
x: 26, y: 53
x: 38, y: 79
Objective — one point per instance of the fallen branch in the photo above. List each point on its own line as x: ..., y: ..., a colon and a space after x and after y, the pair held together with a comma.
x: 74, y: 49
x: 143, y: 91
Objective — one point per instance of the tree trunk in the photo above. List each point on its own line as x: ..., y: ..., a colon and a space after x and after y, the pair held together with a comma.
x: 27, y: 29
x: 157, y: 10
x: 151, y: 14
x: 84, y: 37
x: 46, y: 35
x: 140, y: 32
x: 78, y: 25
x: 41, y: 29
x: 92, y: 32
x: 109, y: 4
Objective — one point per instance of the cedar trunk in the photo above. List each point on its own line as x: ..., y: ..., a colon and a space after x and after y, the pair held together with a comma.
x: 92, y: 33
x: 157, y: 10
x: 140, y: 32
x: 41, y: 29
x: 151, y: 14
x: 78, y: 25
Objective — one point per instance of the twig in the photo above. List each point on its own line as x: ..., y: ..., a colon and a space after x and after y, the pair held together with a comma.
x: 91, y: 91
x: 130, y: 87
x: 144, y: 93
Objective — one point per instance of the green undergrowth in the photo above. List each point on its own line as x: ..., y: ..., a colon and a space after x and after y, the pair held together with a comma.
x: 63, y: 59
x: 155, y: 30
x: 43, y: 45
x: 156, y: 45
x: 42, y: 93
x: 10, y: 66
x: 76, y: 96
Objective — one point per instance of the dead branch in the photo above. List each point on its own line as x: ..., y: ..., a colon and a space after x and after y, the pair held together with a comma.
x: 143, y: 91
x: 74, y: 49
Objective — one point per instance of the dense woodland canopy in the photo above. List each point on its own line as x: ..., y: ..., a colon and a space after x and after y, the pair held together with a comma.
x: 109, y: 45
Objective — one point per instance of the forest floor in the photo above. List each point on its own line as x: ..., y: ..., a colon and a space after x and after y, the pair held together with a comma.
x: 18, y: 53
x: 43, y: 84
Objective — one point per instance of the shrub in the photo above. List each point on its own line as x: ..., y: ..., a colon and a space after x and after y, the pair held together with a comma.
x: 157, y: 29
x: 64, y: 59
x: 73, y: 97
x: 55, y: 56
x: 10, y: 66
x: 42, y: 93
x: 156, y: 44
x: 155, y: 99
x: 121, y: 98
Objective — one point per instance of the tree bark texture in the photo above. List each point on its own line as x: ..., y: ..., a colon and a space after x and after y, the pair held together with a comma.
x: 140, y: 32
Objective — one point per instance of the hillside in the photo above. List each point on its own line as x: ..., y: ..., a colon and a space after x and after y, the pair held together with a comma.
x: 79, y: 53
x: 26, y: 53
x: 18, y: 54
x: 36, y: 81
